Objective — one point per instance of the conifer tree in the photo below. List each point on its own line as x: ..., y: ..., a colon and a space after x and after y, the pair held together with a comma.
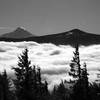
x: 84, y: 82
x: 39, y: 76
x: 42, y: 87
x: 75, y: 70
x: 46, y: 87
x: 60, y: 92
x: 80, y: 88
x: 28, y: 79
x: 5, y: 86
x: 23, y: 77
x: 84, y: 75
x: 1, y: 88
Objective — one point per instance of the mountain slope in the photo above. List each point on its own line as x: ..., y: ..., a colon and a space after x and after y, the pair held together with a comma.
x: 65, y: 38
x: 68, y: 38
x: 18, y: 33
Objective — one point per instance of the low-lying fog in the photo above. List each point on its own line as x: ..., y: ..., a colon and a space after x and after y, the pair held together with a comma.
x: 53, y: 60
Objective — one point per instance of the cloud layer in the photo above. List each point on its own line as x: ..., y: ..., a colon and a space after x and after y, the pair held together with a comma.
x: 53, y: 60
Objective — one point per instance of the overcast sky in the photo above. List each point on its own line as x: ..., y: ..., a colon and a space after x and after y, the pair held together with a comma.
x: 50, y: 16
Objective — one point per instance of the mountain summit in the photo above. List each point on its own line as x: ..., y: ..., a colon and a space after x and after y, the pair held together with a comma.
x: 17, y: 34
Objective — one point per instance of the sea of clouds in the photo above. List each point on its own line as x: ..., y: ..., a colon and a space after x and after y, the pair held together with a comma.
x: 53, y: 60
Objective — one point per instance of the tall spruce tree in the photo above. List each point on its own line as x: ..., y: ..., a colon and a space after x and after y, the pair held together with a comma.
x: 75, y: 70
x: 84, y: 75
x: 59, y: 92
x: 42, y: 87
x: 1, y: 88
x: 84, y: 82
x: 80, y: 88
x: 24, y: 76
x: 5, y: 87
x: 28, y: 80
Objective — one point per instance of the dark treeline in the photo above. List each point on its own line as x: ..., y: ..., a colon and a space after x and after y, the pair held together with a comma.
x: 28, y: 84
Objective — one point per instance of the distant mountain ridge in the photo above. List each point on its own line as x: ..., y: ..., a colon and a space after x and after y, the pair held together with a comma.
x: 65, y: 38
x: 18, y: 33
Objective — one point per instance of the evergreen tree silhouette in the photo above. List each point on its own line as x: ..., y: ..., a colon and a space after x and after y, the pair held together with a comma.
x: 81, y: 87
x: 24, y: 74
x: 39, y: 75
x: 5, y: 92
x: 42, y: 87
x: 94, y: 91
x: 75, y: 70
x: 80, y: 75
x: 60, y: 92
x: 46, y: 87
x: 1, y: 88
x: 28, y: 83
x: 85, y: 83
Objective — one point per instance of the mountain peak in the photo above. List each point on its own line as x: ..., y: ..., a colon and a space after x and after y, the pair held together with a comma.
x: 77, y: 31
x: 19, y: 32
x: 20, y: 29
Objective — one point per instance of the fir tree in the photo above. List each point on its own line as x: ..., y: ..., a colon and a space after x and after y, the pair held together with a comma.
x: 84, y: 82
x: 1, y: 88
x: 28, y: 81
x: 75, y: 70
x: 94, y: 91
x: 80, y: 88
x: 39, y: 75
x: 23, y: 81
x: 84, y: 76
x: 61, y: 91
x: 5, y: 86
x: 42, y: 87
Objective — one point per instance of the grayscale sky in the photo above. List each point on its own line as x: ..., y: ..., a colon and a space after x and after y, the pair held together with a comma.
x: 50, y: 16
